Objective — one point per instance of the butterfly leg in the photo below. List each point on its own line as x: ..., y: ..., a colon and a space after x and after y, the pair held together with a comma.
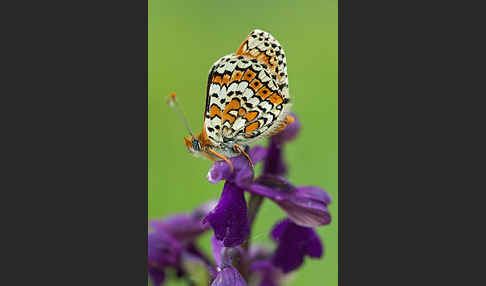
x: 239, y: 149
x: 222, y: 158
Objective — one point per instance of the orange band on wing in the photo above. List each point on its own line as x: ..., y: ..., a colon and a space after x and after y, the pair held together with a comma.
x: 251, y: 115
x: 249, y: 75
x: 275, y: 99
x: 217, y: 79
x: 264, y: 92
x: 237, y: 75
x: 226, y: 79
x: 255, y: 84
x: 252, y: 127
x: 214, y: 111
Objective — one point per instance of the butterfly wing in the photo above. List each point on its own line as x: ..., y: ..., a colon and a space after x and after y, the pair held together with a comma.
x: 263, y: 47
x: 244, y: 101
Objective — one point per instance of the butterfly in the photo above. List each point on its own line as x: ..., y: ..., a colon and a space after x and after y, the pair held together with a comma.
x: 247, y: 99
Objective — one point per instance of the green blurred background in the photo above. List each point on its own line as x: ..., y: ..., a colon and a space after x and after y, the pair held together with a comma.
x: 184, y: 39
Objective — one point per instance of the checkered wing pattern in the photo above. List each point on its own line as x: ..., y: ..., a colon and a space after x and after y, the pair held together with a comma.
x: 244, y: 101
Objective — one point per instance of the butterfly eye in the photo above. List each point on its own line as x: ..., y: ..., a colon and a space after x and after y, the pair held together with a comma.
x: 195, y: 145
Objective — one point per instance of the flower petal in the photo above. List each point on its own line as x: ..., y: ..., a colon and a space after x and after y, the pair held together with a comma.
x: 279, y: 229
x: 314, y: 246
x: 294, y: 242
x: 305, y: 212
x: 242, y: 174
x: 257, y: 154
x: 228, y: 276
x: 274, y: 164
x: 314, y: 193
x: 183, y: 227
x: 306, y: 206
x: 163, y: 250
x: 229, y: 219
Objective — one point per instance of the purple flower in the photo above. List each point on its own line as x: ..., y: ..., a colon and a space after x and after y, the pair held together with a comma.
x: 163, y: 251
x: 274, y: 164
x: 229, y: 218
x: 294, y: 242
x: 242, y: 174
x: 305, y: 205
x: 223, y: 256
x: 185, y: 227
x: 172, y: 239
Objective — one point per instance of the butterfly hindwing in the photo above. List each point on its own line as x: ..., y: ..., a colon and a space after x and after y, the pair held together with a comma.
x: 243, y: 101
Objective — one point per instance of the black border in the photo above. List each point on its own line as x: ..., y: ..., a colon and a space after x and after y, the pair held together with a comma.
x: 76, y: 134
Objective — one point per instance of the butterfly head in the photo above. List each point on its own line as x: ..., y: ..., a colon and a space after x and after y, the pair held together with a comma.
x: 193, y: 145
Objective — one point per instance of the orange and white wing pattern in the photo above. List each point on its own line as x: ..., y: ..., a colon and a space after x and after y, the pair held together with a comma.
x: 246, y: 99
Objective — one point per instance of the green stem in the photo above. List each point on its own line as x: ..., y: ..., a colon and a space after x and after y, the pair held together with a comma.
x: 253, y: 207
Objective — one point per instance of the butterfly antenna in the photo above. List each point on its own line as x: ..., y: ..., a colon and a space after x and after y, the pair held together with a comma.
x: 174, y: 104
